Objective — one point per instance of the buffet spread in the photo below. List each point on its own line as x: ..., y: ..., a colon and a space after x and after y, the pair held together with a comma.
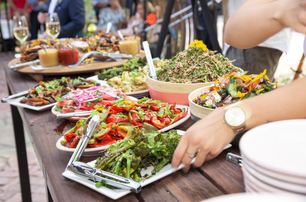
x: 133, y: 137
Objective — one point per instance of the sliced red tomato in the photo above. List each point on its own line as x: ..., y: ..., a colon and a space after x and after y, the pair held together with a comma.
x: 70, y: 136
x: 75, y: 142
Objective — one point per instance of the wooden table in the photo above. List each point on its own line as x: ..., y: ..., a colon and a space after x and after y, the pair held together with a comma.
x: 216, y: 177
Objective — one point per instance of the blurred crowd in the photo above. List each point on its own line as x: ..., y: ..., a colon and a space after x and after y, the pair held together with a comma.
x: 80, y: 17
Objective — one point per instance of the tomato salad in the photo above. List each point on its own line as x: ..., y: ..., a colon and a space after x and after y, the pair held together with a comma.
x: 118, y: 120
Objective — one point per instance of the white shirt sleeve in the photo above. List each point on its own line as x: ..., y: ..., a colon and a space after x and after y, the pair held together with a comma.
x: 52, y: 6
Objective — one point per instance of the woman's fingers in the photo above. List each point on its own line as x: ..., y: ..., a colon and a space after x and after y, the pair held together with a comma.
x: 179, y: 152
x: 201, y: 157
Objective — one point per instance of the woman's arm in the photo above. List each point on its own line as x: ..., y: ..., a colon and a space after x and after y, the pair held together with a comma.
x: 257, y: 20
x: 208, y: 136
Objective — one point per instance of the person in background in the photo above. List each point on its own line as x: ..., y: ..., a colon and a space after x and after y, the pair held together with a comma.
x: 265, y: 55
x: 207, y: 138
x: 135, y: 23
x: 19, y: 7
x: 98, y: 5
x: 113, y: 14
x: 37, y: 6
x: 71, y: 15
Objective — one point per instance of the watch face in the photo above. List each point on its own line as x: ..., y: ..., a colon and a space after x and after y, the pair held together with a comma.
x: 235, y: 116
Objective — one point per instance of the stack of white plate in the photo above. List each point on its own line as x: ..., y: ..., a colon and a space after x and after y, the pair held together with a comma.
x: 274, y: 157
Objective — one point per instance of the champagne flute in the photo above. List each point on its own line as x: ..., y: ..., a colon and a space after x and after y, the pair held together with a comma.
x: 21, y: 30
x: 53, y: 26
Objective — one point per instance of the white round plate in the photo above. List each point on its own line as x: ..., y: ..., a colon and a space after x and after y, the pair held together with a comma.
x: 261, y: 186
x: 87, y: 151
x: 256, y: 197
x: 286, y: 178
x: 275, y: 182
x: 91, y: 151
x: 277, y: 146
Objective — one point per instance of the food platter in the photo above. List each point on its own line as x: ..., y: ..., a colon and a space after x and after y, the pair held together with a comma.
x: 95, y: 151
x: 64, y: 70
x: 30, y: 99
x: 16, y: 102
x: 137, y: 94
x: 118, y: 193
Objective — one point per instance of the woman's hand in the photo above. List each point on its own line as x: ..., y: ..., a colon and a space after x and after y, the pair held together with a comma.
x: 292, y: 13
x: 204, y: 140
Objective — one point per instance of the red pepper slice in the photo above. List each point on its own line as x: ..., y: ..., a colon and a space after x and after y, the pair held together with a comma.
x: 154, y: 107
x: 135, y: 119
x: 157, y: 123
x: 148, y: 116
x: 75, y: 142
x: 165, y: 120
x: 116, y: 109
x: 113, y: 118
x: 180, y: 116
x: 70, y: 136
x: 67, y: 110
x: 175, y: 109
x: 106, y: 140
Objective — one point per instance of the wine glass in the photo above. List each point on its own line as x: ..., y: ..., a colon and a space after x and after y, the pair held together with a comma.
x: 53, y: 26
x: 21, y: 30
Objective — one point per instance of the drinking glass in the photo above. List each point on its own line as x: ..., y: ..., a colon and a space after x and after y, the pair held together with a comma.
x: 21, y: 30
x: 53, y: 26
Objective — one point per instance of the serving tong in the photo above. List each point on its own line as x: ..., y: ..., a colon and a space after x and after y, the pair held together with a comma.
x: 114, y: 56
x: 93, y: 174
x: 73, y: 114
x: 24, y: 64
x: 234, y: 158
x: 20, y: 94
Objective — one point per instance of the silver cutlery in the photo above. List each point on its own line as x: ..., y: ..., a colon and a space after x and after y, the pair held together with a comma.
x: 114, y: 56
x: 73, y: 114
x: 5, y: 99
x: 234, y: 158
x: 20, y: 65
x: 94, y: 174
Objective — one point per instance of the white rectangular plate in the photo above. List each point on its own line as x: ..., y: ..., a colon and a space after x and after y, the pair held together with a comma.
x: 16, y: 102
x: 118, y: 193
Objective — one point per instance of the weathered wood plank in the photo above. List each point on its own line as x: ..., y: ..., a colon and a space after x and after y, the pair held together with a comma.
x: 225, y: 175
x: 181, y: 186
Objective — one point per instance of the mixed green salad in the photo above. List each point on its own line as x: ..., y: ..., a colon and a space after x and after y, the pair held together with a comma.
x: 142, y: 149
x: 234, y: 87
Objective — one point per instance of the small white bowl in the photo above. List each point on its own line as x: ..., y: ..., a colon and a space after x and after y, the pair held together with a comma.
x: 197, y: 111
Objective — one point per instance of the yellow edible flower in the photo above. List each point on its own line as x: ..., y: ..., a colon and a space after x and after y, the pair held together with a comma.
x: 259, y: 76
x: 198, y: 44
x: 240, y: 94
